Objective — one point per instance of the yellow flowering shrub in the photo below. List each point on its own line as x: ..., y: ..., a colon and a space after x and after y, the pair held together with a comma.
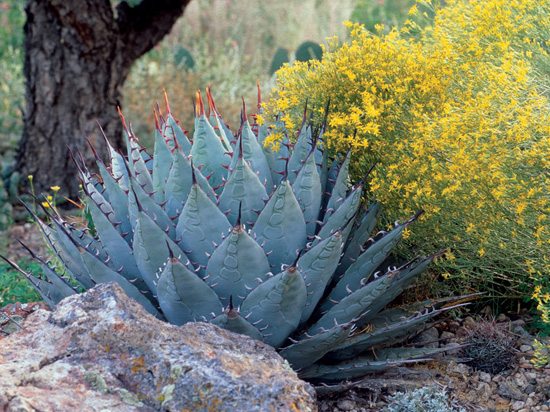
x: 457, y: 116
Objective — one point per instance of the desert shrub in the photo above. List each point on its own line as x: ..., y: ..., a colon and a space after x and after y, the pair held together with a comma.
x: 427, y: 399
x: 490, y: 346
x: 456, y: 115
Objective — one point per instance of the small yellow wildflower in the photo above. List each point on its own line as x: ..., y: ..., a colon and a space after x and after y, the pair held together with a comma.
x: 55, y: 188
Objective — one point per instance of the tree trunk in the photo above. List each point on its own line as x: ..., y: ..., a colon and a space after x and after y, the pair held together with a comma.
x: 78, y: 54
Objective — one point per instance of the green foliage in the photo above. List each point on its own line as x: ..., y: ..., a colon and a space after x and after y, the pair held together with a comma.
x: 389, y: 13
x: 541, y: 357
x: 279, y: 59
x: 12, y: 17
x: 14, y: 287
x: 456, y: 115
x: 426, y: 399
x: 11, y: 96
x: 183, y: 59
x: 227, y: 231
x: 309, y: 50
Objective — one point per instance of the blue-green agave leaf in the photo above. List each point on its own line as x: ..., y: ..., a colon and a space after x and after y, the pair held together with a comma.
x: 119, y: 166
x: 162, y: 162
x: 50, y: 292
x: 184, y: 297
x: 364, y: 267
x: 67, y: 251
x: 403, y: 277
x: 152, y: 248
x: 358, y: 237
x: 121, y: 254
x: 339, y: 191
x: 309, y: 350
x: 353, y: 306
x: 201, y: 226
x: 179, y: 185
x: 343, y: 217
x: 236, y: 266
x: 138, y: 199
x: 101, y: 273
x: 119, y: 202
x: 281, y: 228
x: 55, y: 288
x: 243, y: 189
x: 218, y: 124
x: 253, y: 154
x: 138, y: 169
x: 382, y: 360
x: 307, y: 188
x: 231, y: 320
x: 263, y: 132
x: 281, y: 152
x: 172, y: 129
x: 317, y: 266
x: 82, y: 239
x: 209, y: 152
x: 275, y: 306
x: 299, y: 153
x: 383, y: 334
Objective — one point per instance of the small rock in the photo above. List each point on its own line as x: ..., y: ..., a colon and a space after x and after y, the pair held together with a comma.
x: 518, y: 322
x: 346, y: 405
x: 502, y: 318
x: 460, y: 368
x: 520, y: 380
x: 518, y: 330
x: 483, y: 391
x: 486, y: 310
x: 509, y: 390
x: 469, y: 321
x: 525, y: 348
x: 484, y: 377
x: 429, y: 338
x: 453, y: 326
x: 447, y: 336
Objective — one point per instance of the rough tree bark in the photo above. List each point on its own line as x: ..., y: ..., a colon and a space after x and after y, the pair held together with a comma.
x: 78, y: 54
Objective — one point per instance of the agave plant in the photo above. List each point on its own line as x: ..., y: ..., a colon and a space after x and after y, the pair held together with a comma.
x: 273, y: 245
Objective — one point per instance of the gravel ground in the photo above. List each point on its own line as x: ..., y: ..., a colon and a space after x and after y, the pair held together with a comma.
x: 519, y: 387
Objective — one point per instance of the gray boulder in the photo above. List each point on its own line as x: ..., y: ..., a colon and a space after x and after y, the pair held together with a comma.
x: 100, y: 351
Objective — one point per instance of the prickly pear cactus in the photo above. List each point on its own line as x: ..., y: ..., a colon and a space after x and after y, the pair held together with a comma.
x: 274, y: 245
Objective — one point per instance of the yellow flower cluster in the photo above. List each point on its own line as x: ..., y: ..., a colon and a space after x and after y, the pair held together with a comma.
x: 457, y: 115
